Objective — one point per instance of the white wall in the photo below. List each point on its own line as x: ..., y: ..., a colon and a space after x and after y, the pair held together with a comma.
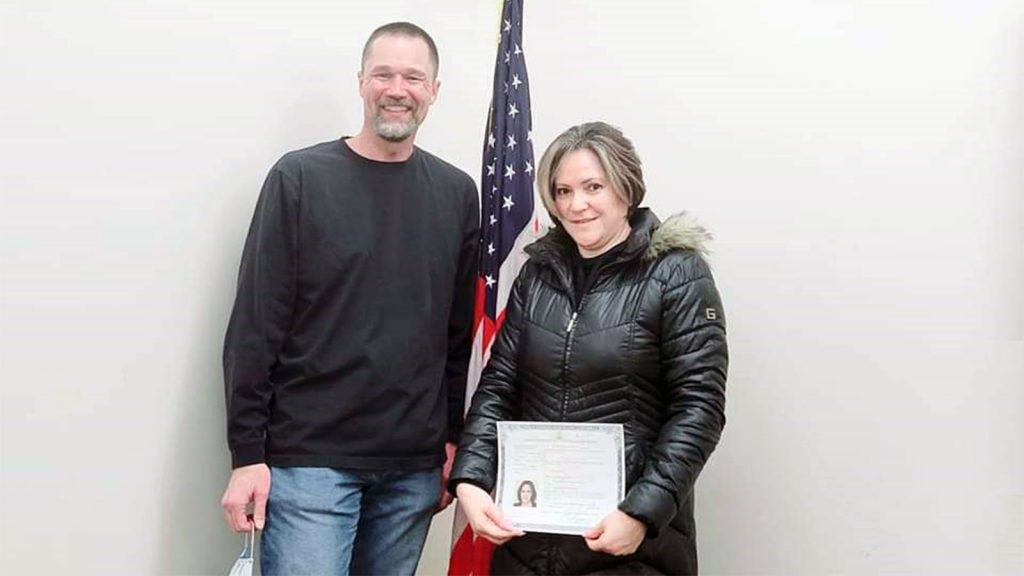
x: 860, y: 163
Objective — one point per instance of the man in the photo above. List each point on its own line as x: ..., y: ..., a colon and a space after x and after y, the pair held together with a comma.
x: 346, y: 354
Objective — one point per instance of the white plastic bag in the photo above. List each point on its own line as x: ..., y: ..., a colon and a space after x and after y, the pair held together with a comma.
x: 243, y: 566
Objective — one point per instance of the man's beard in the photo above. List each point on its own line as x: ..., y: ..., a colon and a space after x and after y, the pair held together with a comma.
x: 396, y: 131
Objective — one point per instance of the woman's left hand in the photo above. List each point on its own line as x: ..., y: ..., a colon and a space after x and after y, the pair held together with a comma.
x: 617, y: 533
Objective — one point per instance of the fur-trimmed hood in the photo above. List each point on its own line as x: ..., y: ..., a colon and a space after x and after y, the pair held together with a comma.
x: 679, y: 231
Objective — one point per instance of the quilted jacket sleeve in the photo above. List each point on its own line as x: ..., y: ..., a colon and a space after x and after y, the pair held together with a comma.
x: 496, y: 398
x: 694, y: 359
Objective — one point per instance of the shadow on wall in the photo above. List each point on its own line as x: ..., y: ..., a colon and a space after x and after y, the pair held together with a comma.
x: 193, y: 536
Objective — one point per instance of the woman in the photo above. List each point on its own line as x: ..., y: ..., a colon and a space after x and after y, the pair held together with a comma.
x: 526, y: 495
x: 615, y: 318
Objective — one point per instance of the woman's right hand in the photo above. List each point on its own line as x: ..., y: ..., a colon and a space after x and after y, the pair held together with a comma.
x: 484, y: 516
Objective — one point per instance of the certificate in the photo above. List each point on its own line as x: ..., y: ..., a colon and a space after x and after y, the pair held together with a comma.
x: 559, y: 477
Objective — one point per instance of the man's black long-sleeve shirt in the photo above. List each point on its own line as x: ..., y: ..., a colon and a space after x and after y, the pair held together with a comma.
x: 349, y: 340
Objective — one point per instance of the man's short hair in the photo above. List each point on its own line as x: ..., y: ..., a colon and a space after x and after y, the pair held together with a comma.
x: 403, y: 29
x: 614, y: 151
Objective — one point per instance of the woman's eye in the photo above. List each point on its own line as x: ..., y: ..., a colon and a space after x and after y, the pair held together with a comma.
x: 561, y: 191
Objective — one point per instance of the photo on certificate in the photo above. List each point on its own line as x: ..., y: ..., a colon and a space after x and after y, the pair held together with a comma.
x: 559, y: 477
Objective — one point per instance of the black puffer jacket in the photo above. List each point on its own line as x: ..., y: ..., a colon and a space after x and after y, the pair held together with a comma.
x: 645, y: 347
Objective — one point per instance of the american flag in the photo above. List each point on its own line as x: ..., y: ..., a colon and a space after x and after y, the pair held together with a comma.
x: 508, y: 223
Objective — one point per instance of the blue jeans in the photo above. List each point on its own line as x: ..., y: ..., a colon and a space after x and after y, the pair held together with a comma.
x: 326, y: 521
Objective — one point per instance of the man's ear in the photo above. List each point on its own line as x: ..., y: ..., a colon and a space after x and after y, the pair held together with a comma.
x: 437, y: 88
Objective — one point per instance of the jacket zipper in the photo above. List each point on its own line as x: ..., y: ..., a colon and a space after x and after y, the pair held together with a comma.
x: 569, y: 330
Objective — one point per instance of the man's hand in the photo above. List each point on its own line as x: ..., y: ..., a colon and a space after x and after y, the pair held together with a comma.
x: 446, y: 471
x: 247, y: 484
x: 617, y: 533
x: 484, y: 517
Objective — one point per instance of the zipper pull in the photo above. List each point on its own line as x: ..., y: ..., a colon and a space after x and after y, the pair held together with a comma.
x: 572, y: 322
